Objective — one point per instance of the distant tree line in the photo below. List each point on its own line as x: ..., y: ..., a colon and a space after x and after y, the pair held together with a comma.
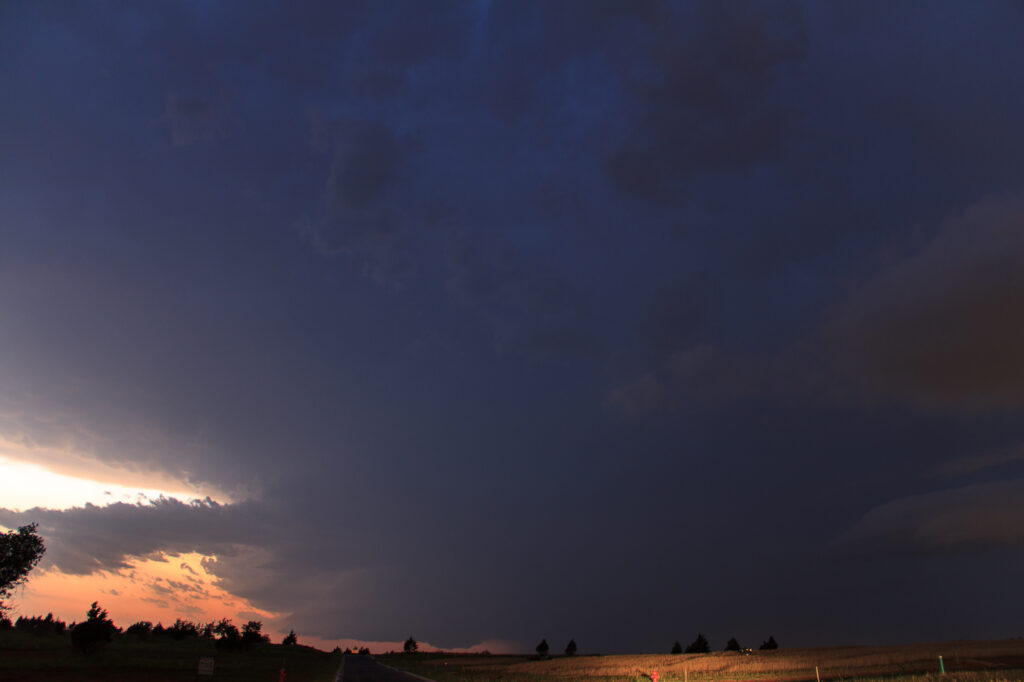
x: 701, y: 646
x: 98, y: 630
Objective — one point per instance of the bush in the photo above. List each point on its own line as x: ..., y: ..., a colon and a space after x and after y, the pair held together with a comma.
x: 95, y: 633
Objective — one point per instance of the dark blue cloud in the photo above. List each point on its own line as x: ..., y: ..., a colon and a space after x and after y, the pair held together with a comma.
x: 544, y: 298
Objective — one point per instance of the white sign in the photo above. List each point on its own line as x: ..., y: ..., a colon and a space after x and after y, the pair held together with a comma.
x: 206, y: 665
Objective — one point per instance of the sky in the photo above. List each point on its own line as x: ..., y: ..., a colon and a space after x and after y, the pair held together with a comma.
x: 486, y: 322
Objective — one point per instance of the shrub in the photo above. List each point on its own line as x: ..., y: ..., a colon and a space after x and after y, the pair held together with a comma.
x: 95, y: 633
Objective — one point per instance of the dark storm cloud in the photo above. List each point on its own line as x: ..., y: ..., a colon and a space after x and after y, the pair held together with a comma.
x: 943, y: 327
x: 365, y: 165
x: 513, y: 216
x: 193, y: 119
x: 978, y: 516
x: 964, y: 466
x: 360, y: 213
x: 532, y: 310
x: 710, y: 101
x: 698, y: 374
x: 89, y: 539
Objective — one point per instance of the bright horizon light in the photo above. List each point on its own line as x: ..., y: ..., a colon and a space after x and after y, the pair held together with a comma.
x: 24, y: 486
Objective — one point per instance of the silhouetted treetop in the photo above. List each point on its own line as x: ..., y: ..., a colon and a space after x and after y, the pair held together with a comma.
x: 769, y: 644
x: 20, y: 551
x: 570, y: 648
x: 677, y: 648
x: 732, y: 645
x: 699, y: 645
x: 95, y: 633
x: 543, y: 648
x: 410, y: 646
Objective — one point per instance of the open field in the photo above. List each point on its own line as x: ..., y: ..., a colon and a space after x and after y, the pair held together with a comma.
x: 964, y: 661
x: 25, y: 657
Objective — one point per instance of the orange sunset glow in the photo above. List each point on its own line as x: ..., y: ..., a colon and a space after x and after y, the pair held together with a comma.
x: 159, y: 589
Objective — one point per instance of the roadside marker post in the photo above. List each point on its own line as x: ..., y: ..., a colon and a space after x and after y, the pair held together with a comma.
x: 816, y: 675
x: 942, y: 666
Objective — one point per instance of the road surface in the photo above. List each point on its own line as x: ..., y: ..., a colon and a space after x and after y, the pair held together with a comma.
x: 365, y: 669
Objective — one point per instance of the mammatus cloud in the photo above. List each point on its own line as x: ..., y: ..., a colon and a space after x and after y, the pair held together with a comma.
x: 360, y: 214
x: 707, y: 101
x: 945, y: 327
x: 978, y: 516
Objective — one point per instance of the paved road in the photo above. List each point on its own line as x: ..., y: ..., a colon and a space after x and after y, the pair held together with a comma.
x: 365, y: 669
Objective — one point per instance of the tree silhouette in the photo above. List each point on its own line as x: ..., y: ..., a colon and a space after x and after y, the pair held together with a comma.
x: 769, y: 644
x: 732, y: 645
x: 677, y: 648
x: 290, y: 639
x: 252, y: 633
x: 20, y: 551
x: 411, y: 646
x: 228, y: 636
x: 570, y: 648
x: 543, y: 648
x: 141, y: 629
x: 699, y: 645
x: 95, y: 633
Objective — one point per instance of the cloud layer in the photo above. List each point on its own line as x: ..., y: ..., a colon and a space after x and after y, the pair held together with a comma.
x: 525, y: 312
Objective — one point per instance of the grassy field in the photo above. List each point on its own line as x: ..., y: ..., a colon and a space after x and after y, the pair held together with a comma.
x: 25, y: 657
x: 964, y: 661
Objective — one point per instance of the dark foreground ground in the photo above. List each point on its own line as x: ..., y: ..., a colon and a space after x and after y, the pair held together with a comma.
x: 25, y: 657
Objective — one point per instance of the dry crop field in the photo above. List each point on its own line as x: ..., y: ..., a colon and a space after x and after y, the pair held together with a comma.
x: 995, y: 660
